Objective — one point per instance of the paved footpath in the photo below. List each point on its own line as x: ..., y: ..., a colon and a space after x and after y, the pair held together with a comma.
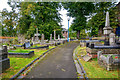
x: 57, y: 64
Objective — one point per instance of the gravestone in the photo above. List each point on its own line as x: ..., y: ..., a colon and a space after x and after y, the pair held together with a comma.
x: 109, y: 59
x: 54, y: 35
x: 50, y: 37
x: 112, y: 39
x: 32, y: 39
x: 87, y: 58
x: 42, y: 39
x: 4, y: 60
x: 27, y: 45
x: 99, y: 53
x: 58, y: 37
x: 36, y: 35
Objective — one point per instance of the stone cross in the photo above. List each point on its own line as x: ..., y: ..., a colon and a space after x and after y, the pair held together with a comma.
x: 42, y: 39
x: 112, y: 39
x: 36, y: 35
x: 50, y: 37
x: 54, y: 35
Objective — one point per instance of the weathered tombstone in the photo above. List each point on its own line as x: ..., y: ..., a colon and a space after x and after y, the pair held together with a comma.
x: 36, y: 35
x: 87, y: 58
x: 32, y: 39
x: 99, y: 53
x: 112, y: 39
x: 109, y: 62
x: 42, y: 39
x: 27, y: 45
x: 4, y: 60
x: 50, y: 37
x: 109, y: 59
x: 58, y: 37
x: 54, y: 35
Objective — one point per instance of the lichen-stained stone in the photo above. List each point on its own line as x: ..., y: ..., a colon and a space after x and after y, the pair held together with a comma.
x: 105, y: 51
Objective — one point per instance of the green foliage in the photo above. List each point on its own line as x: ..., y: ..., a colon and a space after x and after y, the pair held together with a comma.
x: 16, y: 64
x: 79, y: 11
x: 31, y: 15
x: 98, y: 19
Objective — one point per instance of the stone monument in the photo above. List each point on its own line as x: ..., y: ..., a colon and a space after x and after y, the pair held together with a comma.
x: 4, y: 60
x: 36, y: 35
x: 54, y: 34
x: 112, y: 39
x: 50, y: 37
x: 42, y: 39
x: 107, y: 29
x: 58, y: 37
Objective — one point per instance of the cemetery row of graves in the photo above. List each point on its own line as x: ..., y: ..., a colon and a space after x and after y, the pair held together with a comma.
x: 16, y: 56
x: 100, y: 57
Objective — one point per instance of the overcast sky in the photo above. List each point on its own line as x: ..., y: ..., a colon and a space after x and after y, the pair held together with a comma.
x: 3, y: 4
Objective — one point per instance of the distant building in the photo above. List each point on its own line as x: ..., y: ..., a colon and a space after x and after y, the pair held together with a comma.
x: 64, y: 33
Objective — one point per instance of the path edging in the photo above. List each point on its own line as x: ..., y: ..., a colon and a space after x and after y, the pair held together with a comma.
x: 23, y: 69
x: 79, y: 67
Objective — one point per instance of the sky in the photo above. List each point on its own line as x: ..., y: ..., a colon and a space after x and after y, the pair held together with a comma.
x: 63, y: 12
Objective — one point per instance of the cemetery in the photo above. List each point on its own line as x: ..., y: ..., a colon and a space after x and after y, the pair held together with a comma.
x: 102, y: 53
x: 61, y: 40
x: 20, y: 53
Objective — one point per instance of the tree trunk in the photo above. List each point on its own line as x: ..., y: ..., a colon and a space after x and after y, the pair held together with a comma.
x: 78, y: 34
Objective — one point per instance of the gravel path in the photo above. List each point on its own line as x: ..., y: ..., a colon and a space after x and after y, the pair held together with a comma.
x: 57, y: 64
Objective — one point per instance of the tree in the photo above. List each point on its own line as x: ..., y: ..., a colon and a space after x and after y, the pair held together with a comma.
x: 79, y: 11
x: 44, y: 16
x: 97, y: 22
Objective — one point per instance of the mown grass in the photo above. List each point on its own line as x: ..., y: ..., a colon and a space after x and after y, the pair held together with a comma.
x: 92, y: 68
x: 16, y: 64
x: 37, y: 45
x: 19, y: 50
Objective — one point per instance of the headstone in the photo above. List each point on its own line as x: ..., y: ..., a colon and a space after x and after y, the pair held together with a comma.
x: 36, y: 35
x: 42, y: 39
x: 4, y: 60
x: 54, y: 35
x: 50, y: 37
x: 27, y: 45
x: 58, y: 37
x: 87, y: 58
x: 109, y: 59
x: 99, y: 53
x: 32, y: 39
x: 112, y: 39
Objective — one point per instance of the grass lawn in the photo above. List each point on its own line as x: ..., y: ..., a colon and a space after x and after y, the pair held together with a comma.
x: 19, y: 50
x: 92, y: 68
x: 37, y: 45
x: 16, y: 64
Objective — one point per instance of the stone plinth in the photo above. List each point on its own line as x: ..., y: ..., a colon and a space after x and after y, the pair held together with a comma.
x: 105, y: 51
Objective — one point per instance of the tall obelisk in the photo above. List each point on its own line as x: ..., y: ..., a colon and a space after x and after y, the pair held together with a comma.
x: 107, y: 29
